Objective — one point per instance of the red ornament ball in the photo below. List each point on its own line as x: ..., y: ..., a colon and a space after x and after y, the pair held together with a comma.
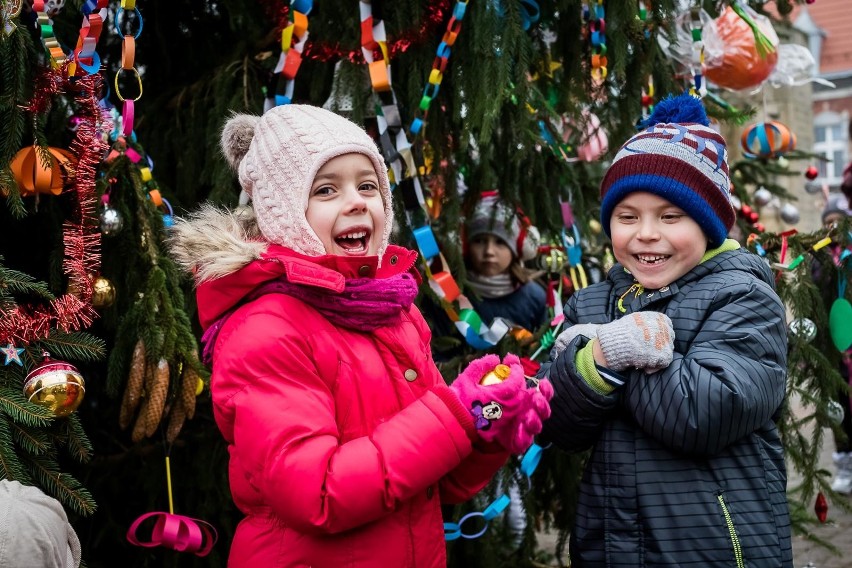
x: 746, y: 210
x: 753, y: 216
x: 811, y: 173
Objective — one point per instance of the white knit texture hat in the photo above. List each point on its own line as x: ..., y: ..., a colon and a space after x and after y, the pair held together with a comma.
x: 286, y: 148
x: 34, y: 530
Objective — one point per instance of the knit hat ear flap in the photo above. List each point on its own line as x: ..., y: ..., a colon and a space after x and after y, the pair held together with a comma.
x: 237, y: 135
x: 528, y: 249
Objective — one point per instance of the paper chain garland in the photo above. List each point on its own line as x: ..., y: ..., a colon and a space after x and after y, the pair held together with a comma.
x: 128, y: 55
x: 294, y: 36
x: 529, y: 463
x: 597, y: 37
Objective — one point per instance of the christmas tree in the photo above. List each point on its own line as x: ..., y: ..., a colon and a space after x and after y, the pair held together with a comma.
x: 462, y: 97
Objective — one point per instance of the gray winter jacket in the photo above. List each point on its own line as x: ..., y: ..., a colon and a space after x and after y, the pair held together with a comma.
x: 687, y: 467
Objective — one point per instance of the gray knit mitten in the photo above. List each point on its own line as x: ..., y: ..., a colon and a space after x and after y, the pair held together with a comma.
x: 589, y: 330
x: 643, y: 340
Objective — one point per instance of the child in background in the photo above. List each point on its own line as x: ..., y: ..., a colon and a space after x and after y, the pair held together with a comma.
x: 673, y: 369
x: 34, y: 530
x: 498, y: 240
x: 836, y: 209
x: 344, y: 439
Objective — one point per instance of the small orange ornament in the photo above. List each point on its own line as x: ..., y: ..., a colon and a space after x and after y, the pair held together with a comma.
x: 33, y: 177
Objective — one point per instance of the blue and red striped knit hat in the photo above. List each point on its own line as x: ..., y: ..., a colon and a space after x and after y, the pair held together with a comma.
x: 679, y: 158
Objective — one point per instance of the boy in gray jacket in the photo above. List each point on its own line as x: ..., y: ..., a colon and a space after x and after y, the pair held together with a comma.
x: 673, y: 368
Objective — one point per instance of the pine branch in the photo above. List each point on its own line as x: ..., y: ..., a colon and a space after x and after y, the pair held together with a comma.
x: 75, y: 346
x: 63, y: 486
x: 34, y: 441
x: 79, y: 446
x: 10, y: 464
x: 13, y: 404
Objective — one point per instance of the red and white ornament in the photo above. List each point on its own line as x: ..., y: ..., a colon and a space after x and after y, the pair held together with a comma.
x: 55, y: 385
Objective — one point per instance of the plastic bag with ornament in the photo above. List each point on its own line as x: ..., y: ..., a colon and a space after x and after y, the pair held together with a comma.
x: 680, y: 51
x: 740, y: 48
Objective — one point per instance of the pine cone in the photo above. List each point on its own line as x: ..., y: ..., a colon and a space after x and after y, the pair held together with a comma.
x: 141, y: 424
x: 176, y: 420
x: 189, y: 382
x: 157, y: 398
x: 133, y: 389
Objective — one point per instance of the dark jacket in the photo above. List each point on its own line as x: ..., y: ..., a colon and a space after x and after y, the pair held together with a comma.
x: 526, y: 306
x: 687, y: 466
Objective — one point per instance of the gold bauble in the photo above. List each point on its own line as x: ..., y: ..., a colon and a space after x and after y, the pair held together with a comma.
x: 595, y: 226
x: 55, y: 385
x: 498, y: 375
x: 103, y: 292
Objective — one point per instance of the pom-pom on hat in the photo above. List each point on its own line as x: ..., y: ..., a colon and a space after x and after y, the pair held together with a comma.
x: 496, y: 217
x: 679, y: 158
x: 277, y: 156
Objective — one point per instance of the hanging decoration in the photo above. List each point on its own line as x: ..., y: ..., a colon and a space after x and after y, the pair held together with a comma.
x: 13, y: 354
x: 80, y: 237
x: 128, y: 56
x: 176, y: 532
x: 821, y: 507
x: 293, y: 39
x: 803, y: 328
x: 596, y: 17
x: 767, y: 140
x: 34, y: 176
x: 103, y: 292
x: 55, y: 385
x: 434, y: 15
x: 9, y: 10
x: 790, y: 214
x: 739, y: 48
x: 812, y: 172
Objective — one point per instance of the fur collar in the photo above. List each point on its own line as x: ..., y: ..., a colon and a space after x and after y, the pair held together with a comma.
x: 213, y: 242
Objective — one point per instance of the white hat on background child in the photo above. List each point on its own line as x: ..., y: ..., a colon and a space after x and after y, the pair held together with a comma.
x: 679, y: 158
x: 34, y: 530
x: 496, y: 217
x: 277, y: 156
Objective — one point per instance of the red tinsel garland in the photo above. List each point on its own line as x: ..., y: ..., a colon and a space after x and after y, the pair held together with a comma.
x: 325, y: 51
x: 80, y: 234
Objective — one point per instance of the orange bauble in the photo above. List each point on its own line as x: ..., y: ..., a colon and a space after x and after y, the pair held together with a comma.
x: 740, y: 66
x: 33, y: 177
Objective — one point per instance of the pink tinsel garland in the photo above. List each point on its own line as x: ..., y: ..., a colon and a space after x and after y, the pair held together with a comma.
x: 80, y: 234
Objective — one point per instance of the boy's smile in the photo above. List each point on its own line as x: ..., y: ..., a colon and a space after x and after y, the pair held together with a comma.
x: 345, y: 207
x: 656, y: 241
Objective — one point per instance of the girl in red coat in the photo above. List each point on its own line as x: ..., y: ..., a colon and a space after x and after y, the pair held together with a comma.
x: 344, y: 439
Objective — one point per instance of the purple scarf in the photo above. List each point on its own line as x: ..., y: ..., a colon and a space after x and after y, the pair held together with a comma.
x: 365, y: 304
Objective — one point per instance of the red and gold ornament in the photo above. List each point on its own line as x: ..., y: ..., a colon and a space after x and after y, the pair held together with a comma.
x: 55, y: 385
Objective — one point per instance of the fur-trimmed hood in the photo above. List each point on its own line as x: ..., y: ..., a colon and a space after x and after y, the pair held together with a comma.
x: 213, y: 242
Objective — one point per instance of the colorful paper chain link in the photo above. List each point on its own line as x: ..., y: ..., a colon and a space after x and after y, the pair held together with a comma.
x: 439, y: 66
x: 453, y: 531
x: 699, y: 86
x: 128, y: 56
x: 597, y: 37
x: 293, y: 39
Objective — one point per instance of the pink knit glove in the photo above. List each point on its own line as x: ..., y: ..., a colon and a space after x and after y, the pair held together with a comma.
x: 509, y: 413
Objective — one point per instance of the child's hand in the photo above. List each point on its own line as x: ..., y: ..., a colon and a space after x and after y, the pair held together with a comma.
x: 506, y: 412
x: 644, y: 340
x: 589, y: 330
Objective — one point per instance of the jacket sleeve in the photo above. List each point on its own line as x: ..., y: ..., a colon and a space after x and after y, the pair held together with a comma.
x: 727, y: 383
x: 477, y: 469
x: 578, y: 412
x: 279, y: 416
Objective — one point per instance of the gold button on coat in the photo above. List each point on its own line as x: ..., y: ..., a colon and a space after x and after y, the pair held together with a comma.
x: 410, y: 375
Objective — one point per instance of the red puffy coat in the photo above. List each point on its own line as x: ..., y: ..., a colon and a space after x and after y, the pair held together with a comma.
x: 342, y: 444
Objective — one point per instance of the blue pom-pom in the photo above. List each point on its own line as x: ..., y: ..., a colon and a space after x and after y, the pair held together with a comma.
x: 681, y: 109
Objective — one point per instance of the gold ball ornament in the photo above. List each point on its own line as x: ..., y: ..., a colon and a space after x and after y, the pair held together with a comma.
x: 595, y: 226
x: 55, y: 385
x: 103, y: 292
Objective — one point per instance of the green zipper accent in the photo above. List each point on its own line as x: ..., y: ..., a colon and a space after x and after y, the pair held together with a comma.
x: 735, y: 540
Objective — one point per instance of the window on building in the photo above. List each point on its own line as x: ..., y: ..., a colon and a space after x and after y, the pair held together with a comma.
x: 831, y: 142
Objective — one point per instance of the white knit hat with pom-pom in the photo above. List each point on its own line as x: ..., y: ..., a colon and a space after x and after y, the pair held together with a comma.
x: 277, y: 156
